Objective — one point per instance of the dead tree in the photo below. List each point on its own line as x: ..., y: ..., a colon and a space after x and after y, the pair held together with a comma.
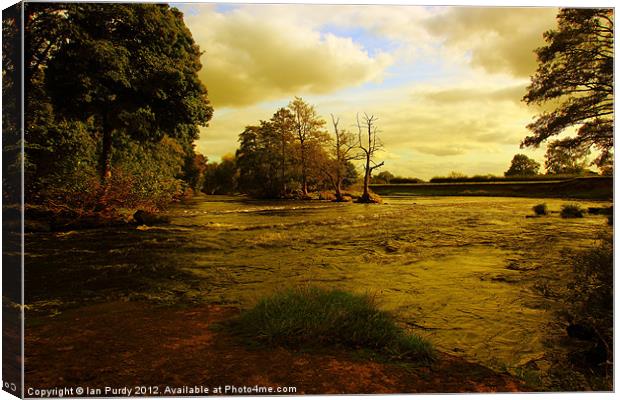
x: 369, y: 146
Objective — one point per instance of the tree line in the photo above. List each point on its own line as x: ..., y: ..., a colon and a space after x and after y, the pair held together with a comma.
x: 294, y: 153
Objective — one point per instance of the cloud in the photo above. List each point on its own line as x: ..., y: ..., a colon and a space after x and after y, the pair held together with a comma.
x: 442, y: 150
x: 467, y: 94
x: 450, y: 100
x: 498, y: 39
x: 253, y: 57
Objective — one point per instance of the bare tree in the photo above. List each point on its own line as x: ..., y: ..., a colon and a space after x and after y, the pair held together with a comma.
x: 344, y: 149
x: 369, y: 147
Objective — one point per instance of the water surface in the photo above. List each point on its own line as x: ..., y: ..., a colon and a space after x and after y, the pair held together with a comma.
x: 471, y: 274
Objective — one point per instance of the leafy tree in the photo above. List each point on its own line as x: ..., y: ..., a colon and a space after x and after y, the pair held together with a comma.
x: 369, y: 146
x: 561, y: 159
x: 129, y: 68
x: 221, y: 178
x: 351, y: 176
x: 384, y: 177
x: 576, y: 72
x: 11, y: 101
x: 257, y: 161
x: 194, y: 169
x: 522, y: 165
x: 308, y: 128
x: 283, y: 127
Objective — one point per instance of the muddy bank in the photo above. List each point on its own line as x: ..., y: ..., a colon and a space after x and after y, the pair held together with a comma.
x: 121, y: 344
x: 41, y: 219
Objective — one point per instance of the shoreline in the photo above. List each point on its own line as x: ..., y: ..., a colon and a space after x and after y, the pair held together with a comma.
x: 125, y: 343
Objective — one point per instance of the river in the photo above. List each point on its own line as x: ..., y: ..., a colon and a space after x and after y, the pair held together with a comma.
x: 471, y: 274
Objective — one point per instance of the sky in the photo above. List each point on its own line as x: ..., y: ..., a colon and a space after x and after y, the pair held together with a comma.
x: 445, y: 83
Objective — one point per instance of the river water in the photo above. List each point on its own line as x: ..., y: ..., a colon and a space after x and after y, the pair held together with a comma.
x: 471, y: 274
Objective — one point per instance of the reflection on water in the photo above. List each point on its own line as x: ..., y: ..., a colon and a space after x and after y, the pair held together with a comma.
x: 464, y: 272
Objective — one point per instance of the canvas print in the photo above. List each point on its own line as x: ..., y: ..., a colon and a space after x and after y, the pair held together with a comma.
x: 291, y: 199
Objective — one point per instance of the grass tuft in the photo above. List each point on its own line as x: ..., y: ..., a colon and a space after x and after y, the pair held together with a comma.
x: 540, y: 209
x: 572, y: 210
x: 311, y: 316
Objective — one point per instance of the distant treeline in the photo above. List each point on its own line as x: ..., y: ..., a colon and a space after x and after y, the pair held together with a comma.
x: 386, y: 177
x: 493, y: 178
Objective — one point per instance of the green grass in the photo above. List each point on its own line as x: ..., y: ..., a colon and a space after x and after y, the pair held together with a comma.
x: 572, y: 210
x: 311, y: 316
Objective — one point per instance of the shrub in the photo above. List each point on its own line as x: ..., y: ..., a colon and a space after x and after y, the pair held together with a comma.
x: 540, y: 209
x: 572, y: 210
x: 311, y: 316
x: 590, y: 302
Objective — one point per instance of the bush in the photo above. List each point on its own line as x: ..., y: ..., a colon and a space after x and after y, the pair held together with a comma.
x: 572, y: 211
x: 590, y: 302
x: 312, y: 316
x: 540, y: 209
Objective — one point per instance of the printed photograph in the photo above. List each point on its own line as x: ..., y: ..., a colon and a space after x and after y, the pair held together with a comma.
x: 293, y: 199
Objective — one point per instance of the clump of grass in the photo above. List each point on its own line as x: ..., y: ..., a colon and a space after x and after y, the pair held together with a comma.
x: 572, y: 210
x: 311, y: 316
x: 540, y: 209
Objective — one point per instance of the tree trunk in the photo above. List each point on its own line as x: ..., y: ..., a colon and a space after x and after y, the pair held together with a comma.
x: 338, y: 181
x: 338, y: 190
x: 366, y: 196
x: 283, y: 166
x: 105, y: 161
x: 304, y: 180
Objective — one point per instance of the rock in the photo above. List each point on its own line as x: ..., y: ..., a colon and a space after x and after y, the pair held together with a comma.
x: 148, y: 218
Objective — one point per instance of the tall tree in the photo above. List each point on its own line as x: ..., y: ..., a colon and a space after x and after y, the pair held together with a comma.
x: 369, y: 145
x: 308, y: 128
x: 576, y: 71
x: 561, y: 159
x: 258, y: 162
x: 282, y: 123
x: 130, y: 68
x: 522, y: 165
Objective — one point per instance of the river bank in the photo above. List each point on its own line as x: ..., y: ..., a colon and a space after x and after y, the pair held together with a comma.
x: 120, y: 344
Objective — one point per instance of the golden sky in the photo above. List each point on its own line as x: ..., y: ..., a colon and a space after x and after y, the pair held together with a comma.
x: 445, y: 82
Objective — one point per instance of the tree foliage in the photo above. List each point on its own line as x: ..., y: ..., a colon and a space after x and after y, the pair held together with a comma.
x: 290, y: 155
x: 522, y: 165
x: 131, y: 68
x: 576, y: 72
x: 562, y: 159
x: 111, y: 87
x: 308, y: 128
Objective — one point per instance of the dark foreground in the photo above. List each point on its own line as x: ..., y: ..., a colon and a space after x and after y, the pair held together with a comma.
x: 128, y: 344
